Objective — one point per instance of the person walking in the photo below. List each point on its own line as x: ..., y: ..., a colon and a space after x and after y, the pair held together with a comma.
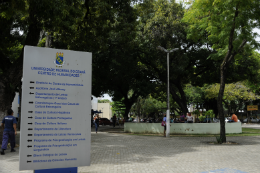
x: 96, y: 119
x: 9, y: 126
x: 164, y: 119
x: 114, y: 120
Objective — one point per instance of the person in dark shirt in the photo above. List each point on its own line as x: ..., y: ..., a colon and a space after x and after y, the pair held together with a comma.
x: 9, y: 126
x: 114, y: 120
x: 96, y: 119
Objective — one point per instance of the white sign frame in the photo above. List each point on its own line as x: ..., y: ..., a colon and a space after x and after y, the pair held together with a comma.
x: 56, y: 109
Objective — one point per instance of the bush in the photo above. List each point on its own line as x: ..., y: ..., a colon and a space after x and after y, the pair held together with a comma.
x: 201, y: 118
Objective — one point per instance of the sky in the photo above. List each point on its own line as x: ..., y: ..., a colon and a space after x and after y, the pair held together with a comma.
x: 258, y: 38
x: 106, y: 96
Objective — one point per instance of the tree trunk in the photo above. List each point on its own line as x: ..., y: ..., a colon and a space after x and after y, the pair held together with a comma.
x: 220, y: 104
x: 11, y: 78
x: 180, y: 101
x: 2, y: 115
x: 7, y: 94
x: 128, y: 102
x: 6, y: 98
x: 127, y: 110
x: 48, y: 41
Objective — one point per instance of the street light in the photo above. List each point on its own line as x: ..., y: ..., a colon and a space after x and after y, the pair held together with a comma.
x: 168, y: 89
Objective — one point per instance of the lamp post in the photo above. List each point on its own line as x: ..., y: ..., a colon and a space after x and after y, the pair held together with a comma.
x: 168, y: 89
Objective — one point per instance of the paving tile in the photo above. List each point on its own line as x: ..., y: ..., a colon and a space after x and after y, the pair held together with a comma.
x: 120, y: 153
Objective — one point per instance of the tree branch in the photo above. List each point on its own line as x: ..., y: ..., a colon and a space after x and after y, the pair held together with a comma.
x: 230, y: 42
x: 238, y: 51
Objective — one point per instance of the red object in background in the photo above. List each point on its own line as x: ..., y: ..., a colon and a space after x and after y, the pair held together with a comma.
x: 104, y: 121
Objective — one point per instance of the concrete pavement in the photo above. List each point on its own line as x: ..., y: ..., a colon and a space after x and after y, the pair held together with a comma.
x: 253, y: 126
x: 121, y: 153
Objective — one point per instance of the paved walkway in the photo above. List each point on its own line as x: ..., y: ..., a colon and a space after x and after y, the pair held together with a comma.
x: 253, y: 126
x: 121, y: 153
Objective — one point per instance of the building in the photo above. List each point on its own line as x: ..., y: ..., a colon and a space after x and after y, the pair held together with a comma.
x: 106, y: 110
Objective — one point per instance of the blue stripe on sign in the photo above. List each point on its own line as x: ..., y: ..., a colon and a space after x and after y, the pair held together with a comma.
x: 58, y: 170
x: 225, y: 170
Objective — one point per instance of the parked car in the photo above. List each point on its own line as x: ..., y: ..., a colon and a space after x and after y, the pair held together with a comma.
x: 150, y: 120
x: 121, y: 121
x: 143, y: 120
x: 158, y: 120
x: 104, y: 121
x: 251, y: 119
x: 215, y: 120
x: 227, y: 119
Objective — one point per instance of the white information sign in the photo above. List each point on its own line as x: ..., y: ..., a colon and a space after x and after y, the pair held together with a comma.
x: 56, y: 109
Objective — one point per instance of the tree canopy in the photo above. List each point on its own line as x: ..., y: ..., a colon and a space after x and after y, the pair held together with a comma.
x: 227, y: 27
x: 215, y: 39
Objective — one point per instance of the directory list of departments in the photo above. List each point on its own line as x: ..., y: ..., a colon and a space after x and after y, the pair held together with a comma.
x: 56, y: 108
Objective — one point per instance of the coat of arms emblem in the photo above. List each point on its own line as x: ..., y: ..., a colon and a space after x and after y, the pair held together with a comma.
x: 59, y: 61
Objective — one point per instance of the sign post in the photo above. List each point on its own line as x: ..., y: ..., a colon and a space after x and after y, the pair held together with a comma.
x: 56, y: 110
x: 251, y: 108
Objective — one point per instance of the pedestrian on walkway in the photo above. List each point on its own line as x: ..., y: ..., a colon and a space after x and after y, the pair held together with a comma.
x: 114, y: 120
x: 164, y: 119
x: 96, y: 119
x: 182, y: 118
x: 9, y: 126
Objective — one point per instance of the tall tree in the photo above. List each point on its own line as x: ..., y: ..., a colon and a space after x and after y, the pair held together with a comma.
x: 228, y: 27
x: 116, y: 67
x: 160, y: 25
x: 23, y: 21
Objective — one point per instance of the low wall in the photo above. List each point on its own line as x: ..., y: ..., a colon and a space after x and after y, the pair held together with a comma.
x: 182, y: 128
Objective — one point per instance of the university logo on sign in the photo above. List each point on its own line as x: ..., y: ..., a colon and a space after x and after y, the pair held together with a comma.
x: 59, y: 61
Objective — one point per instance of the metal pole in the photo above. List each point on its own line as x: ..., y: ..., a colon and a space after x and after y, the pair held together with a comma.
x: 168, y: 100
x: 168, y: 90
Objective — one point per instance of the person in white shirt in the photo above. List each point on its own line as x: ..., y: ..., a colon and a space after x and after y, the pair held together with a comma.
x: 189, y: 118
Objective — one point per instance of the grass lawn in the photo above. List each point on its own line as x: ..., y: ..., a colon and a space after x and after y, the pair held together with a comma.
x: 245, y: 132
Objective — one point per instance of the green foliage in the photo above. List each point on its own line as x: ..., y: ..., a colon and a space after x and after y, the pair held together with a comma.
x: 194, y: 94
x: 211, y: 21
x: 254, y: 80
x: 137, y: 107
x: 118, y: 108
x: 104, y: 101
x: 210, y: 113
x: 160, y: 25
x: 42, y: 42
x: 234, y: 91
x: 148, y: 106
x: 197, y: 112
x: 201, y: 118
x: 219, y: 140
x: 153, y: 106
